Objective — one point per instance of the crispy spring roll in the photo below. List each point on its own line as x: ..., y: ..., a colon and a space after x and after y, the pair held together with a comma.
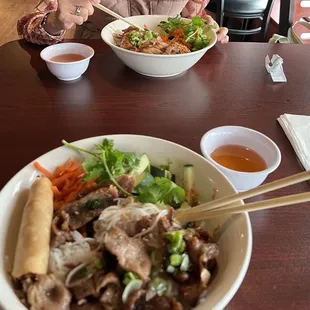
x: 32, y: 250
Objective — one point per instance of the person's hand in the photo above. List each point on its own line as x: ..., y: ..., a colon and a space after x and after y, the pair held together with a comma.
x: 221, y: 32
x: 68, y: 14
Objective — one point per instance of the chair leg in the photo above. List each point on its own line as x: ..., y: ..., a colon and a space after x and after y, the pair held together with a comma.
x: 220, y: 12
x: 266, y: 20
x: 245, y: 25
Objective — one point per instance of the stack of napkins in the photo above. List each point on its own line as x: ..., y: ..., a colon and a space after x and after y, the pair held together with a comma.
x: 297, y: 129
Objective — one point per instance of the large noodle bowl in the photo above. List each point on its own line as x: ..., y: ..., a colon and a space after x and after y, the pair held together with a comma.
x: 114, y: 242
x: 75, y: 254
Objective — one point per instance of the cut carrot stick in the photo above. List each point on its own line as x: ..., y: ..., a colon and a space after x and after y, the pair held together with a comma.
x: 59, y: 181
x: 56, y: 192
x: 43, y: 170
x: 67, y: 182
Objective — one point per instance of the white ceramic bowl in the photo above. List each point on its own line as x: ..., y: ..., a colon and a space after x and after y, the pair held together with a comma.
x: 149, y: 64
x: 255, y: 140
x: 234, y: 236
x: 67, y: 71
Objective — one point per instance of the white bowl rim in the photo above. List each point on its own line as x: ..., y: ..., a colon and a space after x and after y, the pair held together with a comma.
x: 92, y: 53
x: 247, y: 258
x: 268, y: 170
x: 212, y: 43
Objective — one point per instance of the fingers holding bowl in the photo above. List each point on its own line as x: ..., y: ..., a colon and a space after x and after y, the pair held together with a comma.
x: 221, y: 32
x: 222, y: 36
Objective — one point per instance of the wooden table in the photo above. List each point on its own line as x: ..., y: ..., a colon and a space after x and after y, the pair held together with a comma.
x: 229, y: 86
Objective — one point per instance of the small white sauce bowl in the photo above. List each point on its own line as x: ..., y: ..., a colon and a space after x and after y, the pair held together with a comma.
x: 236, y: 135
x: 67, y: 71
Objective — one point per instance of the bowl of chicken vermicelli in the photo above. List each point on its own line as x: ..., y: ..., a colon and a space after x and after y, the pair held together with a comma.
x: 90, y: 225
x: 166, y: 47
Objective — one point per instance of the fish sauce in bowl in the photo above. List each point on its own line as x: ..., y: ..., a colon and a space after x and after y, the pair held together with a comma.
x: 67, y: 57
x: 239, y: 158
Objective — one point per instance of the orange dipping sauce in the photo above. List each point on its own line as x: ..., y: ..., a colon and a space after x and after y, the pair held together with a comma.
x: 239, y: 158
x: 67, y: 58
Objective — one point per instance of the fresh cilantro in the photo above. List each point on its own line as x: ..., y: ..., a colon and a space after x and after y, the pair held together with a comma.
x: 172, y: 24
x: 194, y: 31
x: 198, y: 22
x: 119, y: 163
x: 199, y: 42
x: 162, y: 190
x: 107, y: 163
x: 195, y: 34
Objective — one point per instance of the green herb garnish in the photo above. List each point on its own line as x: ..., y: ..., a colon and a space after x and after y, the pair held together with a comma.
x: 139, y: 37
x: 107, y: 163
x: 175, y: 241
x: 160, y: 286
x: 194, y: 31
x: 129, y: 276
x: 163, y: 191
x: 172, y: 24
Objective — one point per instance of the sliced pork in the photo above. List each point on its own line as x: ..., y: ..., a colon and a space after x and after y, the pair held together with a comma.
x: 84, y: 210
x: 131, y: 253
x: 48, y: 293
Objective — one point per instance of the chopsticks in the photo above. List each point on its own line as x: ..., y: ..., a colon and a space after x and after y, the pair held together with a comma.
x: 108, y: 11
x: 223, y: 205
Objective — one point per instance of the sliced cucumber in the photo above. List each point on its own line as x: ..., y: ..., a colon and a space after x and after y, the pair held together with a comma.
x: 130, y: 288
x: 140, y: 178
x: 143, y: 165
x: 188, y: 182
x: 162, y: 173
x: 148, y: 168
x: 157, y: 172
x: 142, y: 181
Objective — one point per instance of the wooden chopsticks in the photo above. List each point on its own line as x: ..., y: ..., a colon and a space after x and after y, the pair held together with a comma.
x: 108, y: 11
x: 224, y: 205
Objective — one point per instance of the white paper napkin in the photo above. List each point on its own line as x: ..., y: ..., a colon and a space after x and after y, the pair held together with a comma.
x: 297, y: 130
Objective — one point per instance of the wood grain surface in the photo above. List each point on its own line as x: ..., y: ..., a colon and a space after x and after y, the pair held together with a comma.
x: 229, y: 86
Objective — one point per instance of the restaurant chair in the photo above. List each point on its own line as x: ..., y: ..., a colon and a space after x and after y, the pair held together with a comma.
x: 246, y: 10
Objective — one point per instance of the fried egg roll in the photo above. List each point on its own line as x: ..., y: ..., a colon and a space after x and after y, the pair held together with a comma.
x: 32, y: 250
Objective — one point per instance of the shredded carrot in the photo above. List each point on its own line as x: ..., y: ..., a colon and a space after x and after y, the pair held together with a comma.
x: 67, y: 182
x: 165, y: 39
x: 176, y: 36
x: 56, y: 192
x: 61, y: 180
x: 43, y: 171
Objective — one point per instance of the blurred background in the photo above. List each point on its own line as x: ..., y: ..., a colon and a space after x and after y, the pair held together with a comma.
x: 247, y: 20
